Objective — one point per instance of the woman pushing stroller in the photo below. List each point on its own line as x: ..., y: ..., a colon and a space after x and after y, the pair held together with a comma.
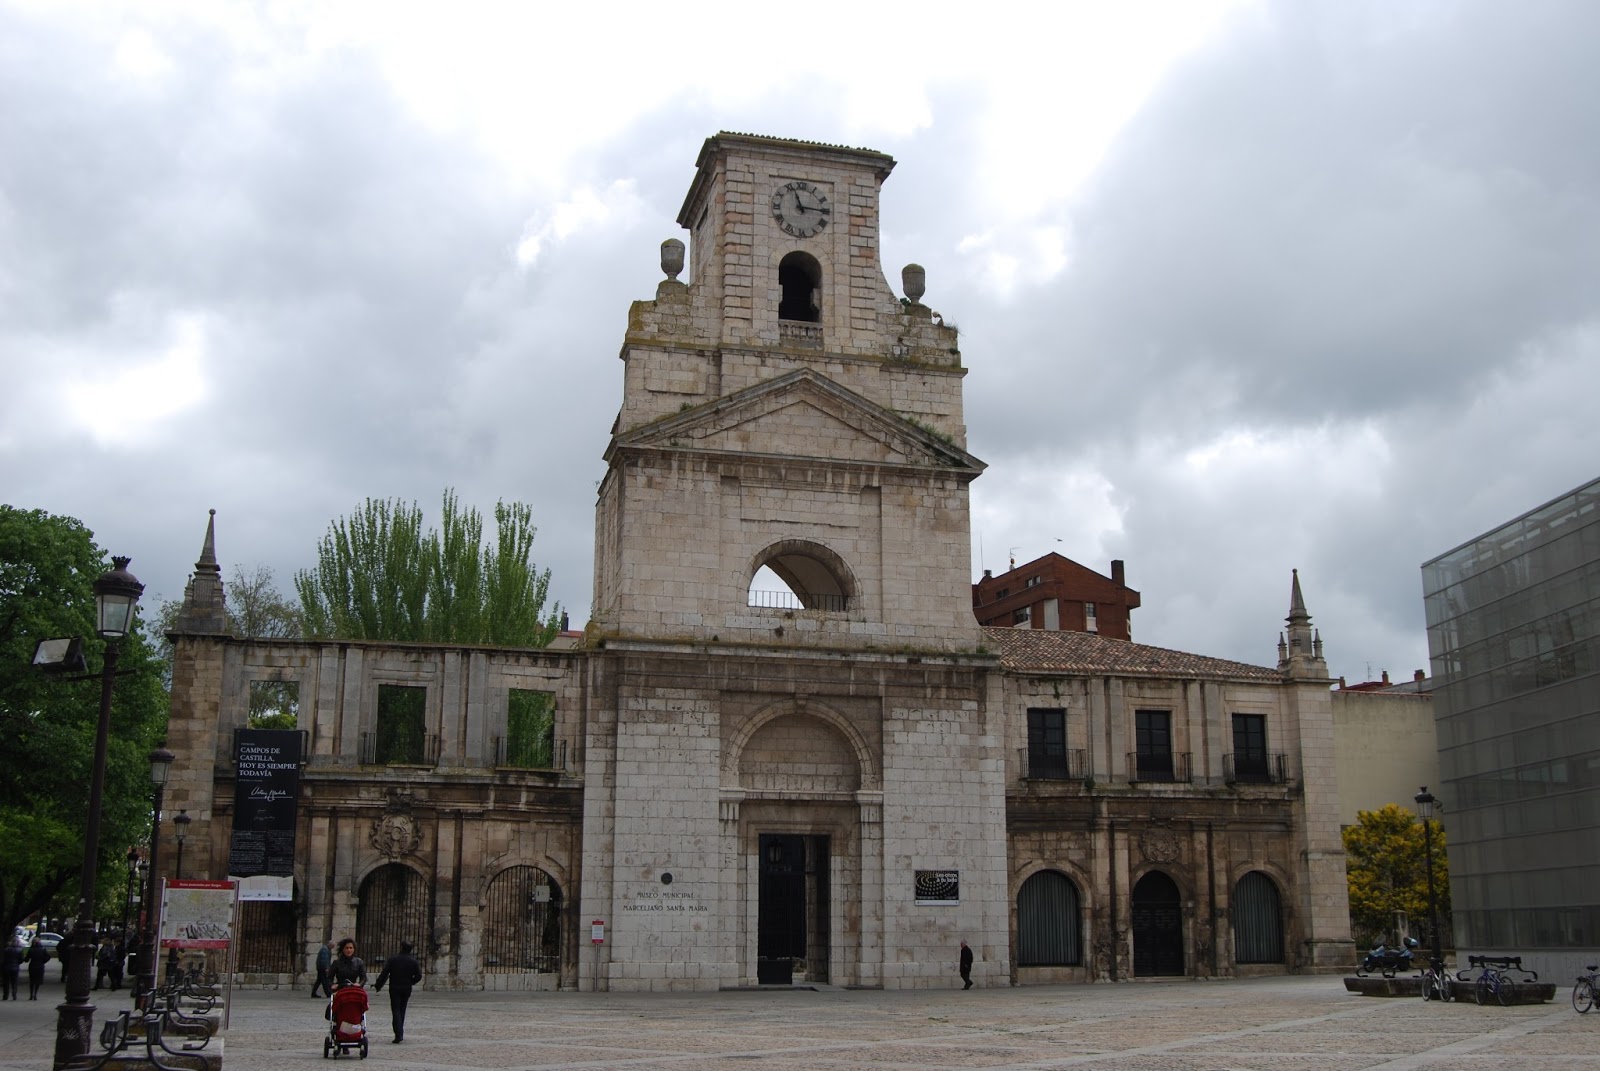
x: 347, y: 968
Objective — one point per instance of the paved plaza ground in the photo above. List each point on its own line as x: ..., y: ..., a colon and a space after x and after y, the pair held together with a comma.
x: 1254, y: 1025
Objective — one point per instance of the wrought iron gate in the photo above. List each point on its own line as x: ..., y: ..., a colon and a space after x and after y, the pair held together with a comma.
x: 522, y: 928
x: 395, y: 906
x: 1157, y: 926
x: 266, y: 937
x: 1257, y: 920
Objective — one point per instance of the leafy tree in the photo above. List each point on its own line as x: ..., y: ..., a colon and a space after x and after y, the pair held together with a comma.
x: 1387, y: 871
x: 379, y: 577
x: 48, y: 565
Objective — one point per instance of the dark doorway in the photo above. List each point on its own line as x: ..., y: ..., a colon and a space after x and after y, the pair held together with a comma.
x: 1157, y: 927
x: 792, y: 918
x: 394, y: 907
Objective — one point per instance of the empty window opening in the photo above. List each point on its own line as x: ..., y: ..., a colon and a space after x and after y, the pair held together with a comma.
x: 530, y: 739
x: 274, y: 704
x: 800, y: 278
x: 795, y: 575
x: 401, y: 737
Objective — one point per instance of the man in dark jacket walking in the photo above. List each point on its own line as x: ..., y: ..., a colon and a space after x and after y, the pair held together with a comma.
x: 966, y: 965
x: 401, y: 972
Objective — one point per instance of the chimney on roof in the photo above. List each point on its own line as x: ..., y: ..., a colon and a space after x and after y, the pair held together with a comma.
x: 1419, y: 676
x: 563, y: 621
x: 1341, y: 683
x: 1118, y: 577
x: 1386, y: 678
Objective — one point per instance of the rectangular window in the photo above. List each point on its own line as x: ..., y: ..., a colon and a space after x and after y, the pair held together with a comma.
x: 402, y: 723
x: 530, y: 729
x: 1153, y: 738
x: 1047, y: 743
x: 1250, y: 747
x: 274, y: 704
x: 1023, y: 616
x: 1090, y: 623
x: 1034, y: 581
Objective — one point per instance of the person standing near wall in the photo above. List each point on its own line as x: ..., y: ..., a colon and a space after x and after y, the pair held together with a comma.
x: 401, y: 972
x: 324, y: 964
x: 966, y: 966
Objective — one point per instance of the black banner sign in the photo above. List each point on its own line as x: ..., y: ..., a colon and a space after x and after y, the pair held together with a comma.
x: 265, y: 800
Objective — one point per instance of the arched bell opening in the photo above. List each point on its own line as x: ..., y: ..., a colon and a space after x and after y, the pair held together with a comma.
x: 800, y: 283
x: 812, y: 577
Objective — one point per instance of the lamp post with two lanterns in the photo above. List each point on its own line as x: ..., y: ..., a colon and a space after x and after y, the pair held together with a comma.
x: 115, y: 595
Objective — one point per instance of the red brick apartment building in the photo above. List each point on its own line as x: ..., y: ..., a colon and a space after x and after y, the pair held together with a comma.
x: 1057, y: 593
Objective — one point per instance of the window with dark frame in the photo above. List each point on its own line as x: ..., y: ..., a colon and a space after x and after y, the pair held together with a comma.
x: 402, y: 725
x: 530, y: 729
x: 1047, y: 743
x: 1153, y: 740
x: 1023, y: 616
x: 1250, y: 747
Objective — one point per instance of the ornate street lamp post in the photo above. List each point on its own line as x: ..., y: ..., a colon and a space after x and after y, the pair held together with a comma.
x: 160, y: 767
x: 180, y: 827
x: 115, y: 595
x: 127, y: 899
x: 1425, y: 803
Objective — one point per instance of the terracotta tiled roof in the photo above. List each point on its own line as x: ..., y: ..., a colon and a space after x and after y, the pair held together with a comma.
x: 1048, y: 651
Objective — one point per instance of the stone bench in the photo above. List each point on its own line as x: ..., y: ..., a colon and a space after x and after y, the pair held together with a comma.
x: 1411, y: 986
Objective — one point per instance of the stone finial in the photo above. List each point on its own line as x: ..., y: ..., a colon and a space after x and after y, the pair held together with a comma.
x: 204, y: 606
x: 672, y: 258
x: 914, y: 278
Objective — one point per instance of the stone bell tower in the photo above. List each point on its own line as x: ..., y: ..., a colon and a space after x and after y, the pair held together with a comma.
x: 785, y: 409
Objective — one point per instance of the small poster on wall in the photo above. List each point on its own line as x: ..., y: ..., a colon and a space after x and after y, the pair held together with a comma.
x: 938, y: 888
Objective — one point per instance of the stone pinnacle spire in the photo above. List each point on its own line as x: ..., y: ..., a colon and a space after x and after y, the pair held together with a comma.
x: 204, y: 607
x: 1300, y: 649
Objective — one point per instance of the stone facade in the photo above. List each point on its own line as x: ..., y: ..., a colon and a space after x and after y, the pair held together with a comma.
x: 838, y: 786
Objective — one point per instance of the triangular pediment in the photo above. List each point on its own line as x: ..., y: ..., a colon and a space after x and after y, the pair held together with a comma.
x: 802, y: 414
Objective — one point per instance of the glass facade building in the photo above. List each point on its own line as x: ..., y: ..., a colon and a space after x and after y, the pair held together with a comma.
x: 1514, y: 638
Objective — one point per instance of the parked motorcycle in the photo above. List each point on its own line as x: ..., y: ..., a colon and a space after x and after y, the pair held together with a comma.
x: 1387, y: 961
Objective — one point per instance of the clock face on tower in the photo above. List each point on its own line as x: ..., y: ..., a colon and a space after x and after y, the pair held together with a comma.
x: 800, y: 208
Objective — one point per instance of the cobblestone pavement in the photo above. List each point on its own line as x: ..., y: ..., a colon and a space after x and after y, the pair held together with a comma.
x: 1254, y: 1025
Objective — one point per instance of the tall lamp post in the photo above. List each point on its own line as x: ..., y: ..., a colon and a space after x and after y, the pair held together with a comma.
x: 160, y: 768
x: 180, y: 829
x: 127, y: 899
x: 115, y: 595
x: 1425, y: 803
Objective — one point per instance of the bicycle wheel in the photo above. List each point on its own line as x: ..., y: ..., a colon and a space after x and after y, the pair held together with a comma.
x: 1583, y: 995
x: 1502, y: 990
x: 1427, y: 986
x: 1480, y: 991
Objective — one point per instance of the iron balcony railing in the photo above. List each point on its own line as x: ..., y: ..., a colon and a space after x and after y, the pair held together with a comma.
x: 541, y: 755
x: 1158, y: 766
x: 400, y: 751
x: 788, y: 600
x: 1255, y: 768
x: 1065, y: 765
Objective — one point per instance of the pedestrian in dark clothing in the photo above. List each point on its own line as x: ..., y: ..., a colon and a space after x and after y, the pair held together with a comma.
x: 119, y: 953
x: 324, y: 963
x: 104, y: 961
x: 401, y: 972
x: 347, y: 967
x: 38, y: 956
x: 10, y: 969
x: 966, y: 966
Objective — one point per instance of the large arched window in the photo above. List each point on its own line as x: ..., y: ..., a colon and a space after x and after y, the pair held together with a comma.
x: 1257, y: 920
x: 1048, y: 923
x: 522, y: 926
x: 813, y: 578
x: 800, y: 279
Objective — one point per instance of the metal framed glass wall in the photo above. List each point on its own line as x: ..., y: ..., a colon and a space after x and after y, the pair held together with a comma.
x: 1514, y: 638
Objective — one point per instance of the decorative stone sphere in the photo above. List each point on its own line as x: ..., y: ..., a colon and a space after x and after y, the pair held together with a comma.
x: 672, y: 258
x: 915, y: 280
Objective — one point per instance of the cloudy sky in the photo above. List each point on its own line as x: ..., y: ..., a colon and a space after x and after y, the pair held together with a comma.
x: 1243, y: 286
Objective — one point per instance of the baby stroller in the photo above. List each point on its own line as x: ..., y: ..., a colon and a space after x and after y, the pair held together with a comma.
x: 347, y: 1022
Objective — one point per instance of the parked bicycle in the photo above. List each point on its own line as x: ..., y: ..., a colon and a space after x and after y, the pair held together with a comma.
x: 1436, y: 984
x: 1583, y: 992
x: 1492, y: 987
